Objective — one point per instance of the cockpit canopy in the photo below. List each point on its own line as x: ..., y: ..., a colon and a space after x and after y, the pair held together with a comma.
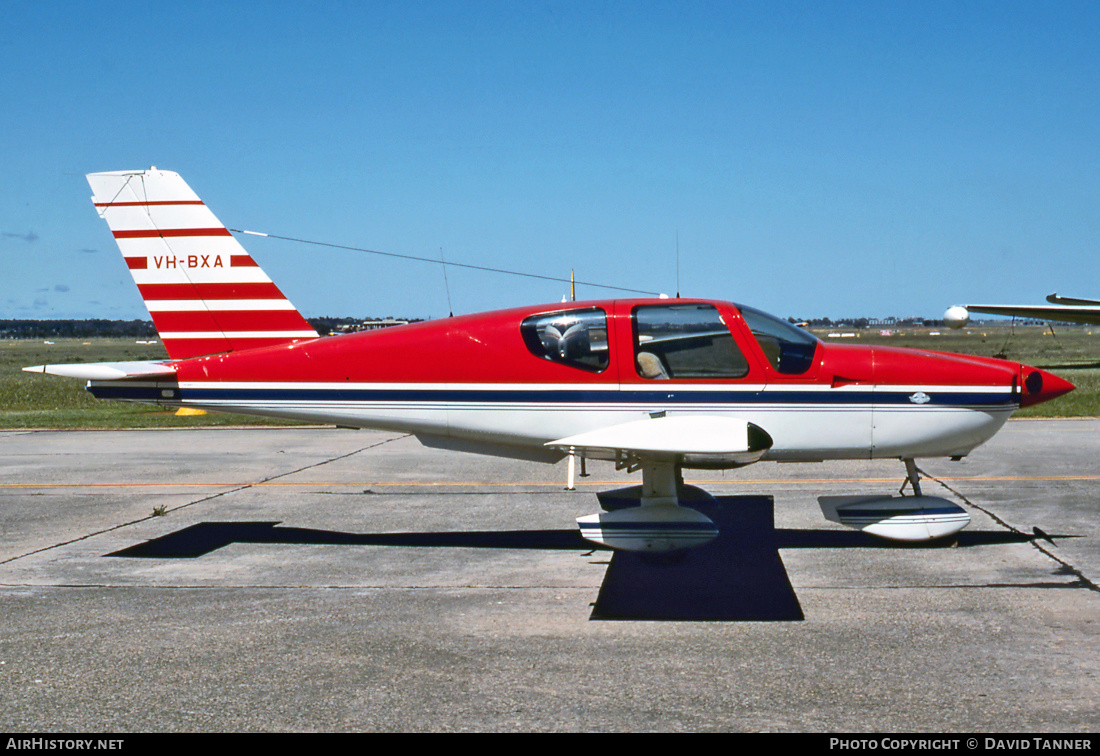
x: 671, y: 340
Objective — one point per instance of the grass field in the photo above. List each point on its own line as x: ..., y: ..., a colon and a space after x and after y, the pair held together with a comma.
x: 1070, y: 352
x: 29, y: 400
x: 41, y: 401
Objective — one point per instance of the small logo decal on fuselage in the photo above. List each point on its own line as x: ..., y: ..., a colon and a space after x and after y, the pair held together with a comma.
x: 920, y: 398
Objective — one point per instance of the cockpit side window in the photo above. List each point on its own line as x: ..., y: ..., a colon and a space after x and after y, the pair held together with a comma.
x: 577, y: 338
x: 789, y: 349
x: 684, y: 341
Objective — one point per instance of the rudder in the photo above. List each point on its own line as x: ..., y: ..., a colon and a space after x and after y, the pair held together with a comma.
x: 205, y: 293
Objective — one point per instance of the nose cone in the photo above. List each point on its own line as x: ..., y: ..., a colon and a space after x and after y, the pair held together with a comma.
x: 1041, y: 386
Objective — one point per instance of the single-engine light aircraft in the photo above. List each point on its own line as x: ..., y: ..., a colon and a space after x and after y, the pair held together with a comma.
x: 657, y: 385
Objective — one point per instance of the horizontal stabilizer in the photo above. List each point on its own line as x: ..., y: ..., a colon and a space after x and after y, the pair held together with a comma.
x: 107, y: 371
x: 676, y: 436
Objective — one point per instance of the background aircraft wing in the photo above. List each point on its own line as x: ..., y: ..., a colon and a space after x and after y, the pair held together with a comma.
x: 1063, y: 313
x: 1060, y: 310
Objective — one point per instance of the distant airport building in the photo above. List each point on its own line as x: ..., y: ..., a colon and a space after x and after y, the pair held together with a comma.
x: 367, y: 325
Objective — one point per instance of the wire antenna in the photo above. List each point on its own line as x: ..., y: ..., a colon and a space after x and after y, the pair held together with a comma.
x: 446, y: 285
x: 437, y: 262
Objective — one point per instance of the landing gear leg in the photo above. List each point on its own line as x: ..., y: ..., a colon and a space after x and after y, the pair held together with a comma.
x: 659, y: 484
x: 912, y: 477
x: 657, y: 522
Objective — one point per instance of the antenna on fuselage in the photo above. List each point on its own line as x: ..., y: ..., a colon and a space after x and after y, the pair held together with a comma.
x: 677, y: 263
x: 446, y: 284
x: 572, y: 287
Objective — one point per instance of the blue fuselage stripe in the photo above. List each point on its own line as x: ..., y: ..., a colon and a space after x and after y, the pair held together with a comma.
x: 123, y: 391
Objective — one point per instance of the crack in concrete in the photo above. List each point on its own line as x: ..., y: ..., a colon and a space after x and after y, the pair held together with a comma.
x: 235, y: 489
x: 1082, y: 581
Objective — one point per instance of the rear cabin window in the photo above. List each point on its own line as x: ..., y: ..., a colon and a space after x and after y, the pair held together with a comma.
x: 577, y: 338
x: 685, y: 341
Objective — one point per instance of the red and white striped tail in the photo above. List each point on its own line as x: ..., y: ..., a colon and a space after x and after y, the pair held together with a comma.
x: 205, y: 293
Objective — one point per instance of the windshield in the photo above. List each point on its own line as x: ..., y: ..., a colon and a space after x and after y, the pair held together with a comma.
x: 788, y: 348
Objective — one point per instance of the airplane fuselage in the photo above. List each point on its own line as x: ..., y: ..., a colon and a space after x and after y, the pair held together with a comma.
x: 479, y: 383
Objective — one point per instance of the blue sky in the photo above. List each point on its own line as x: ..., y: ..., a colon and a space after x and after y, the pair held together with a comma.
x: 812, y: 158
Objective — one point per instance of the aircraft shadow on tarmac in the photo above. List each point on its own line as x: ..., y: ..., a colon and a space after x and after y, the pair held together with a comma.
x: 737, y: 577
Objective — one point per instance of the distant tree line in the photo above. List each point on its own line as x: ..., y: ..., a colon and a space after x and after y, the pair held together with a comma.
x: 126, y: 329
x: 867, y: 322
x: 76, y: 329
x: 143, y: 329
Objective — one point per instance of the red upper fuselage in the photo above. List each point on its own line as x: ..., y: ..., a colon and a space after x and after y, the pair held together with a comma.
x: 488, y: 348
x: 515, y: 382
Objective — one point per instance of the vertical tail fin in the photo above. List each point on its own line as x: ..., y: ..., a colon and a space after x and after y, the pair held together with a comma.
x: 205, y: 293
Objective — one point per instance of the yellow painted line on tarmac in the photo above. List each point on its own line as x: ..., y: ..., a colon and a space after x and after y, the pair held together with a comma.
x: 513, y: 484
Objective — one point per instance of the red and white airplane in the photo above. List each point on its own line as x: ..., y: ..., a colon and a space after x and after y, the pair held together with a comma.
x: 656, y: 385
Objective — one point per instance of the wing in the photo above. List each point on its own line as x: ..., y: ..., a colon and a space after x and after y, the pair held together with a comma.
x: 695, y: 440
x: 1055, y: 299
x: 1065, y: 314
x: 1065, y: 310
